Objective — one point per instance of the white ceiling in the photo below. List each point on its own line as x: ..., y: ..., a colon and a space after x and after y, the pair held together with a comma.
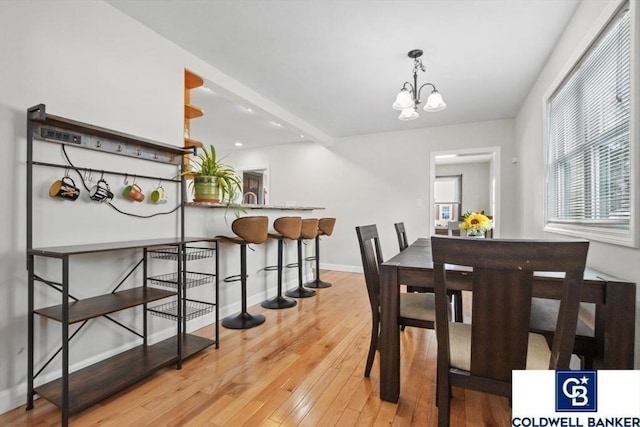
x: 336, y: 66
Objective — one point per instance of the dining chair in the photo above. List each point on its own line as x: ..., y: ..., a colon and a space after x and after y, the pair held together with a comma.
x: 416, y: 309
x: 401, y: 233
x: 454, y: 295
x: 403, y: 243
x: 482, y: 355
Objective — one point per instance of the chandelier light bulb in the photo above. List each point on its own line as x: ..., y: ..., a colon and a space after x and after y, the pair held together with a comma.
x: 435, y: 102
x: 403, y: 100
x: 408, y: 114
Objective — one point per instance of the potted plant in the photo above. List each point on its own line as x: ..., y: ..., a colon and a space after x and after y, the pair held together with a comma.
x: 213, y: 181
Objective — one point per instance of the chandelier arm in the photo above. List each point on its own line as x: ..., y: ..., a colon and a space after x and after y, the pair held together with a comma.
x: 426, y: 84
x: 411, y: 88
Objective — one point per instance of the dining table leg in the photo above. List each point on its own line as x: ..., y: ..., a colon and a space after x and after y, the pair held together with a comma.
x: 389, y: 341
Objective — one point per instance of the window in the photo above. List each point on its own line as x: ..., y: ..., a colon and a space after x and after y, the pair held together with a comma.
x: 589, y: 152
x: 447, y: 195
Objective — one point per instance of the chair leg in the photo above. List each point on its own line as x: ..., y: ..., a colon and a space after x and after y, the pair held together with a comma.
x: 243, y: 320
x: 317, y: 283
x: 300, y: 291
x: 373, y: 346
x: 279, y: 302
x: 443, y: 396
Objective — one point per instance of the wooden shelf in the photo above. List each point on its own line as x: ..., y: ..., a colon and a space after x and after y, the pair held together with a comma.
x: 104, y: 304
x: 94, y: 383
x: 60, y: 251
x: 192, y: 80
x: 192, y: 112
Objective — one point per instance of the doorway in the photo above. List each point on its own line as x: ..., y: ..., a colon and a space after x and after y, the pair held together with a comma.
x: 486, y: 197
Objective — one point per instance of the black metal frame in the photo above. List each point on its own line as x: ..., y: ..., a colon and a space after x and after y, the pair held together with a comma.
x: 109, y: 141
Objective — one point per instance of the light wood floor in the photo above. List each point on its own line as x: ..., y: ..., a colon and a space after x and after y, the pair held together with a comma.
x: 303, y: 367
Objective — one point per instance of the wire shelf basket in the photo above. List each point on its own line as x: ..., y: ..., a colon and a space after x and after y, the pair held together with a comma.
x: 194, y: 309
x: 171, y: 253
x: 193, y: 279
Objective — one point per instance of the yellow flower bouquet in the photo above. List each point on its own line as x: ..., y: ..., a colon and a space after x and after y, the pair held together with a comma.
x: 476, y: 223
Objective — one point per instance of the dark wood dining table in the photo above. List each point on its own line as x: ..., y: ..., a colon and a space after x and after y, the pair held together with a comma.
x: 614, y: 301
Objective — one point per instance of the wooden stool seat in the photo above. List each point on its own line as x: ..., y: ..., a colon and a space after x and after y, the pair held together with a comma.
x: 308, y: 230
x: 248, y: 230
x: 288, y: 227
x: 325, y: 228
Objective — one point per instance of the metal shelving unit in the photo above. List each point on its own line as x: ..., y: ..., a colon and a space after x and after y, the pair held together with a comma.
x: 76, y: 391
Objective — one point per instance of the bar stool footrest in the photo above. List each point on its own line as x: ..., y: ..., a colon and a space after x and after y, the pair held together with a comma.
x: 234, y: 278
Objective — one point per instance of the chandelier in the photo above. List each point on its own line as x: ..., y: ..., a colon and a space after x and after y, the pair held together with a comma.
x: 408, y: 98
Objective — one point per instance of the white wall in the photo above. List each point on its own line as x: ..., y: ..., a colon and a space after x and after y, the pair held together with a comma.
x: 377, y: 179
x: 615, y: 260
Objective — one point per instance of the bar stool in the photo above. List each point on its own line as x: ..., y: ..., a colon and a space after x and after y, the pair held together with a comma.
x: 325, y: 228
x: 288, y: 227
x: 249, y: 229
x: 309, y: 230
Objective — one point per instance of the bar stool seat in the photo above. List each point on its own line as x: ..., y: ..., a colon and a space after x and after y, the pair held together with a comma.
x: 325, y: 228
x: 248, y: 230
x: 288, y: 227
x: 309, y: 230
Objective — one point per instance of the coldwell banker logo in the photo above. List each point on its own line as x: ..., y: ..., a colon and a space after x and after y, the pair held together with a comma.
x: 576, y: 391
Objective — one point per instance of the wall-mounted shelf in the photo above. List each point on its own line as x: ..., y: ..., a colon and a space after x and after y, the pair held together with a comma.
x: 192, y: 112
x: 191, y: 81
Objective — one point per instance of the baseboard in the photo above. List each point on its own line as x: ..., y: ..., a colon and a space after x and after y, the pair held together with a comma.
x: 340, y: 267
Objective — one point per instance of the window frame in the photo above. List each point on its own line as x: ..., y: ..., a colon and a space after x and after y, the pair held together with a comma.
x: 630, y: 237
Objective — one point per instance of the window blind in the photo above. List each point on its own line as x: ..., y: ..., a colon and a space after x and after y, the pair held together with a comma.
x: 589, y: 158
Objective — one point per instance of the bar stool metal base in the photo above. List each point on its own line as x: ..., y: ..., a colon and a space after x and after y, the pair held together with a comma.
x: 300, y: 292
x: 317, y: 283
x: 279, y: 302
x: 243, y: 320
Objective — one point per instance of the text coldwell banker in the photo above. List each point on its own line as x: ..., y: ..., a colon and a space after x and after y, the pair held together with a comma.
x: 576, y: 422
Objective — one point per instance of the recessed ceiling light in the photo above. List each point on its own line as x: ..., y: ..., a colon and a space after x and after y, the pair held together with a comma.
x: 249, y: 109
x: 301, y: 136
x: 238, y: 144
x: 277, y: 124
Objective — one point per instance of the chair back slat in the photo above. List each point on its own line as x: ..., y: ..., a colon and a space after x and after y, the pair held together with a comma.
x: 371, y: 254
x: 504, y: 254
x: 402, y: 236
x: 500, y: 334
